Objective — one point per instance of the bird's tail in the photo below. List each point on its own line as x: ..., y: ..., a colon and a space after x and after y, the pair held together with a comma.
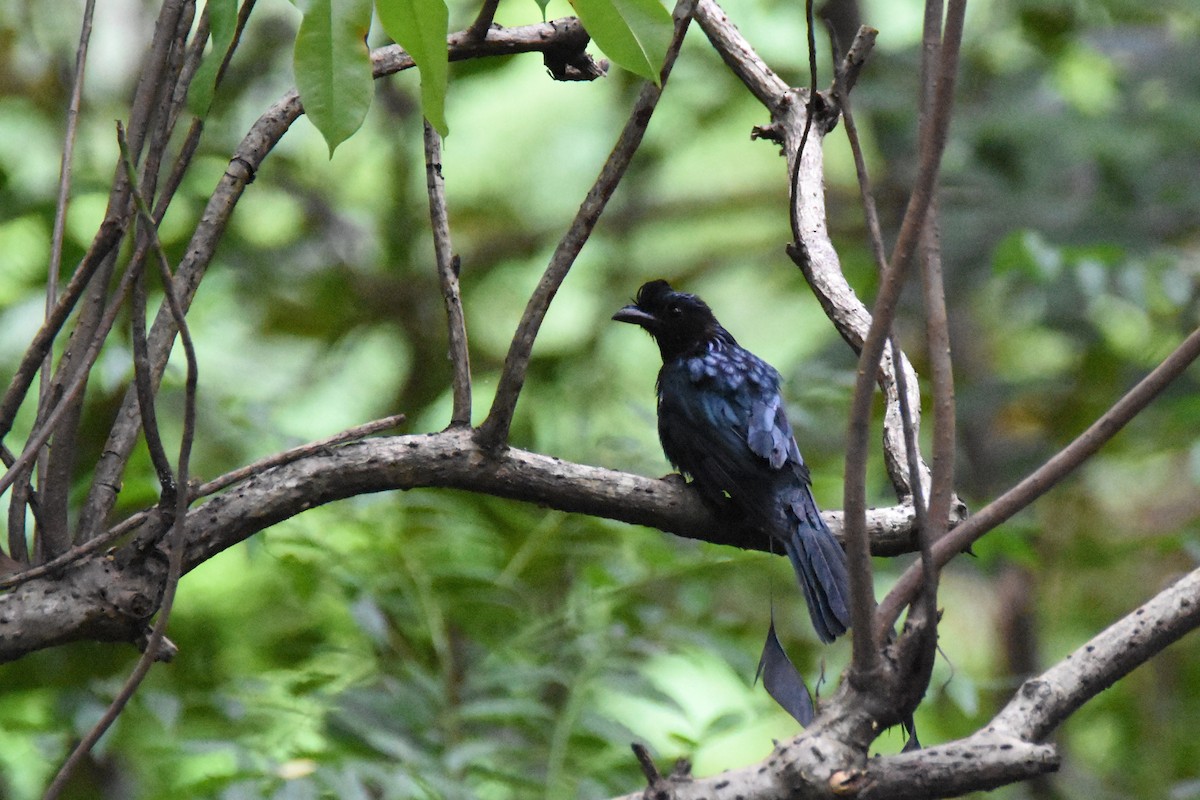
x: 820, y: 565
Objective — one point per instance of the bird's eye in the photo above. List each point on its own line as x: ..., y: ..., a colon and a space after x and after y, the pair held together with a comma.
x: 675, y: 311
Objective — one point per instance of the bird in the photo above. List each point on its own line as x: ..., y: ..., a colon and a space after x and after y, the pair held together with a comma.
x: 722, y: 423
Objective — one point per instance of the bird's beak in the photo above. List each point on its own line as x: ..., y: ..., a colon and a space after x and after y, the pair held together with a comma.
x: 636, y: 316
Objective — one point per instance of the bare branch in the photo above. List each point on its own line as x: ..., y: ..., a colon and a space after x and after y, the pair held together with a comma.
x: 1042, y: 703
x: 978, y: 763
x: 262, y: 137
x: 855, y: 59
x: 452, y: 459
x: 447, y: 267
x: 176, y: 544
x: 741, y: 58
x: 1045, y: 477
x: 100, y: 598
x: 494, y: 431
x: 818, y: 260
x: 479, y: 27
x: 809, y: 766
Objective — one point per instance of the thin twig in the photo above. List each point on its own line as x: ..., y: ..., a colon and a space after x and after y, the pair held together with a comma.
x: 494, y: 431
x: 810, y: 112
x: 77, y: 552
x: 176, y: 539
x: 447, y: 268
x: 60, y: 219
x: 145, y: 391
x: 1044, y: 478
x: 937, y: 336
x: 64, y: 173
x: 18, y: 548
x: 258, y: 142
x: 243, y: 17
x: 885, y: 305
x: 851, y: 66
x: 646, y: 763
x: 296, y: 453
x: 866, y: 602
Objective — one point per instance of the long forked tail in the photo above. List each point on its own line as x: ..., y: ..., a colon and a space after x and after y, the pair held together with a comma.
x: 820, y: 565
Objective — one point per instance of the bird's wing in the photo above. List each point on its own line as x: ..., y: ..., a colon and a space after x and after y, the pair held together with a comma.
x: 722, y: 421
x: 768, y: 432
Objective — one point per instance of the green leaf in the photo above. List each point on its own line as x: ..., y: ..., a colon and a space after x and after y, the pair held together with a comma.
x: 222, y: 21
x: 333, y: 67
x: 635, y: 34
x: 420, y: 26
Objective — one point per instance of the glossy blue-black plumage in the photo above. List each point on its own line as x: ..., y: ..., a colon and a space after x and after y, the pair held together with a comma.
x: 722, y: 422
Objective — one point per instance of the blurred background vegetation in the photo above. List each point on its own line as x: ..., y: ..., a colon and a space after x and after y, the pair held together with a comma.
x: 437, y: 644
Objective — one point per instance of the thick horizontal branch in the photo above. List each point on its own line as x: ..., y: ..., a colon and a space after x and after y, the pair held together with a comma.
x: 78, y: 605
x: 452, y: 459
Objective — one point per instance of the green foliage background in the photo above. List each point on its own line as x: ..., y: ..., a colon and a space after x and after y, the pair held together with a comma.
x: 443, y: 645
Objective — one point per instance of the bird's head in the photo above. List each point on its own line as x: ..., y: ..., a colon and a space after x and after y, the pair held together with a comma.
x: 678, y: 321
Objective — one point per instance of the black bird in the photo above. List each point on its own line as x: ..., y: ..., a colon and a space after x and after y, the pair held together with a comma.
x: 722, y: 422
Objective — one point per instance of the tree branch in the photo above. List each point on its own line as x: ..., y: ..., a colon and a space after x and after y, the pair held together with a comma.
x: 819, y: 262
x: 1044, y: 478
x: 73, y: 602
x: 447, y: 268
x: 1042, y: 703
x: 262, y: 137
x: 494, y: 430
x: 812, y: 766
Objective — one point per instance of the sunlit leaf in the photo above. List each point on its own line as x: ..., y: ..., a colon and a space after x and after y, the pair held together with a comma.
x: 333, y: 67
x: 222, y: 21
x: 419, y: 26
x: 635, y: 34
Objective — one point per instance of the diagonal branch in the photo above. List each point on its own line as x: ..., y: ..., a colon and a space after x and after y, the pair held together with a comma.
x: 258, y: 142
x: 1043, y: 702
x: 819, y: 261
x: 494, y: 431
x: 1045, y: 477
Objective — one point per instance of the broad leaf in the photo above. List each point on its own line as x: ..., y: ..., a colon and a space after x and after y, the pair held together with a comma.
x: 420, y: 26
x: 222, y: 22
x: 635, y: 34
x: 333, y: 67
x: 782, y: 680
